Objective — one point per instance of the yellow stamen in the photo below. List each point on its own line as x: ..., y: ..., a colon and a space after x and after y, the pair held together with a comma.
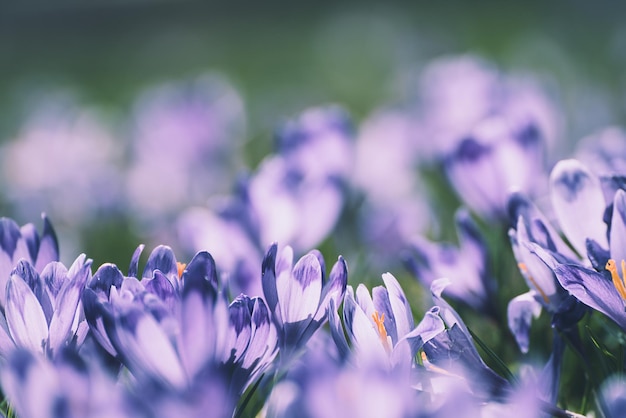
x: 382, y: 331
x: 530, y: 278
x: 618, y: 282
x: 181, y: 268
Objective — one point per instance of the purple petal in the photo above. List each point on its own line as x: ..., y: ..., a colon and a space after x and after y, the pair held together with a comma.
x: 240, y: 327
x: 67, y: 303
x: 28, y: 274
x: 617, y: 235
x: 261, y: 340
x: 99, y: 318
x: 9, y: 235
x: 578, y: 203
x: 200, y: 275
x: 268, y: 278
x: 300, y: 295
x: 399, y: 305
x: 162, y: 258
x: 593, y: 289
x: 48, y: 245
x: 163, y: 289
x: 521, y: 310
x: 380, y: 297
x: 429, y: 327
x: 133, y: 268
x: 106, y: 276
x: 25, y: 318
x: 334, y: 288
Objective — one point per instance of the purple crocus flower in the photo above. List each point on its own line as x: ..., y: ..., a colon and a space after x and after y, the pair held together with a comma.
x: 497, y: 157
x: 299, y: 296
x: 294, y: 197
x: 42, y: 311
x: 68, y: 386
x: 465, y: 266
x: 25, y: 243
x: 380, y: 327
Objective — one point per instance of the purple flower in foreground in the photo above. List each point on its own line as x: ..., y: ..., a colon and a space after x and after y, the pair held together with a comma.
x: 299, y: 296
x: 42, y: 311
x: 380, y: 327
x: 67, y: 386
x: 25, y: 243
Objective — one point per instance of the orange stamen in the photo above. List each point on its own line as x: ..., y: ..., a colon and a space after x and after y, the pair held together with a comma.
x: 382, y: 331
x: 181, y: 268
x: 618, y: 281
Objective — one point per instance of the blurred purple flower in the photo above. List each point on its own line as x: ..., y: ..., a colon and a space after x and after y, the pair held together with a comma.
x: 184, y: 145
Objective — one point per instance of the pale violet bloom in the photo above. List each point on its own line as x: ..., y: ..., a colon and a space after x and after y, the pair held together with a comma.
x: 604, y: 151
x: 43, y: 312
x: 299, y: 296
x: 26, y: 243
x: 185, y: 139
x: 458, y: 92
x: 466, y: 266
x: 74, y: 165
x: 380, y: 327
x: 497, y: 157
x: 294, y: 197
x: 393, y: 208
x: 69, y: 386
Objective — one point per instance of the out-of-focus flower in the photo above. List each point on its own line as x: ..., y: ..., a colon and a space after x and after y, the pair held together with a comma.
x: 495, y: 158
x: 299, y: 296
x: 295, y: 197
x: 43, y: 312
x: 25, y: 243
x: 68, y: 386
x: 393, y: 210
x: 184, y: 142
x: 73, y: 165
x: 466, y: 266
x: 613, y: 397
x: 456, y: 93
x: 604, y: 152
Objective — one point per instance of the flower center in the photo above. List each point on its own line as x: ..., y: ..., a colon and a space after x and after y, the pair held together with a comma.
x: 181, y: 268
x: 618, y: 281
x: 382, y: 331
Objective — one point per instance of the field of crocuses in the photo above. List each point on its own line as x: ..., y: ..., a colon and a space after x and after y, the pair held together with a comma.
x: 456, y: 249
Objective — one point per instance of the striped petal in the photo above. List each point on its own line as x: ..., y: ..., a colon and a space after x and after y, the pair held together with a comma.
x: 25, y: 318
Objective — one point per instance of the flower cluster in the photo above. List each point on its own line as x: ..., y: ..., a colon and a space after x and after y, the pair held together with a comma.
x: 524, y: 313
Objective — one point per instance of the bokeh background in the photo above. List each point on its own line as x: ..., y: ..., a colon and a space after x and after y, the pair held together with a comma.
x: 280, y: 57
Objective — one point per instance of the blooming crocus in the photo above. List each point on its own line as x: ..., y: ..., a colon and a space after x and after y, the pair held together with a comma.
x: 42, y: 311
x: 295, y: 197
x: 189, y: 129
x: 69, y: 386
x: 299, y: 296
x: 453, y: 351
x: 497, y: 157
x: 25, y: 243
x: 465, y: 266
x: 380, y: 327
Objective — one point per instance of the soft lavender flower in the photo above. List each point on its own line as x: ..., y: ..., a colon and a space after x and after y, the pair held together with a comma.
x: 380, y: 327
x: 466, y: 266
x: 68, y: 386
x: 604, y: 152
x: 184, y: 141
x: 393, y: 210
x: 73, y: 165
x: 457, y: 93
x: 25, y: 243
x: 294, y: 197
x: 495, y: 158
x: 299, y: 296
x: 43, y: 311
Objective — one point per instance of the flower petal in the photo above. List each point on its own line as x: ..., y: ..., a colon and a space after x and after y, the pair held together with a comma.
x: 521, y: 310
x: 25, y: 318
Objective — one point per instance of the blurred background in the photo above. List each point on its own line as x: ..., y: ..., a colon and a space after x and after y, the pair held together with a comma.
x: 90, y: 73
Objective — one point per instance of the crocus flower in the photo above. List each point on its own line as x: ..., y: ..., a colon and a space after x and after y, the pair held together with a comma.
x: 299, y: 296
x: 69, y: 386
x: 184, y: 138
x: 294, y: 197
x: 43, y: 311
x: 25, y: 243
x: 465, y: 266
x: 380, y: 327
